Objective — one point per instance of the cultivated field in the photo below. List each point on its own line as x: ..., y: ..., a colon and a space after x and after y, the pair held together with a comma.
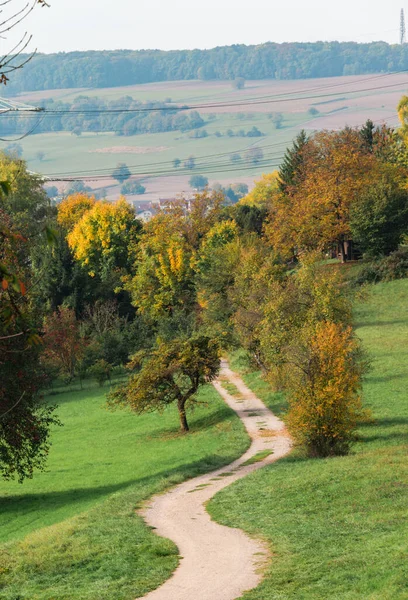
x: 340, y: 101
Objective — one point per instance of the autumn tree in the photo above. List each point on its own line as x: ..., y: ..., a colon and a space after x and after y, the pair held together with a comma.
x: 334, y: 171
x: 164, y: 281
x: 25, y: 420
x: 63, y: 345
x: 215, y: 266
x: 172, y: 372
x: 263, y: 192
x: 324, y: 389
x: 72, y: 209
x: 102, y: 238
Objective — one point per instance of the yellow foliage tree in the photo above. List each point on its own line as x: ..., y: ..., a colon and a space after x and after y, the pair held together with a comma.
x: 324, y: 389
x: 72, y: 209
x: 102, y: 238
x: 263, y: 192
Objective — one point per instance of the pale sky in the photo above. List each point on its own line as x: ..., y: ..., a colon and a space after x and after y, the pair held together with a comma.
x: 171, y: 24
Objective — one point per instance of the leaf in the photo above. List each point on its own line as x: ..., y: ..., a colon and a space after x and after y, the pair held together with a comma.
x: 23, y: 288
x: 4, y: 284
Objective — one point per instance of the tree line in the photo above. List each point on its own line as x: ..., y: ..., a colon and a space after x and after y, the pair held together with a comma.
x: 98, y: 69
x: 87, y: 289
x: 123, y: 123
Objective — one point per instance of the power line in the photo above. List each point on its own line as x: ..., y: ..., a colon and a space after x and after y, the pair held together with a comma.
x: 251, y: 102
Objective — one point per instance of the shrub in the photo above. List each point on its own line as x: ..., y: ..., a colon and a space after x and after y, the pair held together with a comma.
x: 324, y: 390
x: 388, y: 268
x: 102, y: 371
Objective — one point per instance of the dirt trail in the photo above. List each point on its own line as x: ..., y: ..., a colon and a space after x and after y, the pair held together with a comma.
x: 219, y: 563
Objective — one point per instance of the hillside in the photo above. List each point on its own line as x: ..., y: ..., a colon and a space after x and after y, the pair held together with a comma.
x: 98, y: 69
x: 337, y: 528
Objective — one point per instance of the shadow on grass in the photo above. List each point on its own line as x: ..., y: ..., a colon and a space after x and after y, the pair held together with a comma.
x: 361, y: 324
x: 196, y: 424
x: 50, y: 501
x: 386, y: 378
x: 374, y: 432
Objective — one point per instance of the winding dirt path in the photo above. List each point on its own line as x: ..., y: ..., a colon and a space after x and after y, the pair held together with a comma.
x: 219, y: 563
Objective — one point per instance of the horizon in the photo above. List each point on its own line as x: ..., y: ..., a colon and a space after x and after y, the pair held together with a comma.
x: 179, y: 27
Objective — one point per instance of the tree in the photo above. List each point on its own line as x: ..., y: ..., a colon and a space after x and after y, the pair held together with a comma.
x: 290, y: 168
x: 72, y: 209
x: 171, y: 372
x: 63, y: 345
x: 254, y: 155
x: 121, y: 173
x: 78, y: 187
x: 25, y: 421
x: 133, y: 188
x: 277, y: 119
x: 334, y: 171
x: 238, y: 83
x: 176, y: 163
x: 235, y: 157
x: 254, y: 132
x: 16, y: 59
x: 264, y: 191
x: 189, y: 163
x: 379, y: 219
x: 14, y: 150
x: 101, y: 240
x: 325, y: 390
x: 198, y: 182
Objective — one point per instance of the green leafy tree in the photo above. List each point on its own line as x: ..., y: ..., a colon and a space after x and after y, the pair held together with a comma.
x: 171, y: 373
x: 379, y: 220
x: 254, y: 155
x: 133, y: 188
x: 198, y: 182
x: 121, y: 173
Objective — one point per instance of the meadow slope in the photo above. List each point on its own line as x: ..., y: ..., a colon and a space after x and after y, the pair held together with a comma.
x: 72, y: 533
x: 338, y: 528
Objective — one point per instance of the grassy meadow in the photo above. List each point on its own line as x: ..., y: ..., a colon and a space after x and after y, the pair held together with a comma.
x: 338, y: 528
x: 72, y: 532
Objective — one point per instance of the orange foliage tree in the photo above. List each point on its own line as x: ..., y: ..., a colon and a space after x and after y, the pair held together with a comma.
x: 63, y: 345
x: 336, y: 167
x: 324, y: 389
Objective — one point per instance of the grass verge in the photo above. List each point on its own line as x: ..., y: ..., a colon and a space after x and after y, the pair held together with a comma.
x: 73, y: 533
x: 338, y: 528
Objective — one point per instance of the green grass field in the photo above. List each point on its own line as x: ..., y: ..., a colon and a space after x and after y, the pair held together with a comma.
x: 338, y: 528
x: 72, y: 533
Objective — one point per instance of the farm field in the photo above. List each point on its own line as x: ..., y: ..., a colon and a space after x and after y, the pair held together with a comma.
x: 340, y: 101
x: 72, y: 532
x: 337, y: 528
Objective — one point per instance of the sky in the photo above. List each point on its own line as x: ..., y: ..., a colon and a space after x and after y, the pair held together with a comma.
x: 173, y: 24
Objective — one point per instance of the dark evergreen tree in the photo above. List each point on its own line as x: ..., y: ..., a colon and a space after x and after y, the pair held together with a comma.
x: 292, y: 161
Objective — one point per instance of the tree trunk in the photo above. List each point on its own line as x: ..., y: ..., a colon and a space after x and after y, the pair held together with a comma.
x: 182, y: 413
x: 343, y: 252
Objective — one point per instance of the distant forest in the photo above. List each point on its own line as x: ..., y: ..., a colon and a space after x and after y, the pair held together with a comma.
x: 98, y: 69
